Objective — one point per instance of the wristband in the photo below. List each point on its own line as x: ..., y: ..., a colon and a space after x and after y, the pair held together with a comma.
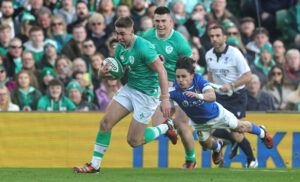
x: 200, y: 96
x: 164, y: 97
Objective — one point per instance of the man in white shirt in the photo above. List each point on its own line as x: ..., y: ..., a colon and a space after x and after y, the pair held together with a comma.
x: 228, y: 68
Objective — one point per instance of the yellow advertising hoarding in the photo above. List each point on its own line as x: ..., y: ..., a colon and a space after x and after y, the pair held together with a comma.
x: 67, y: 139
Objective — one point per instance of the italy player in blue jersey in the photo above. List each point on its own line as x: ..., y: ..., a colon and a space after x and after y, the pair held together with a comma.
x: 198, y: 100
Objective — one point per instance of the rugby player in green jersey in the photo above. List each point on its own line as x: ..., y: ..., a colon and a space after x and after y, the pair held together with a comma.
x: 146, y: 74
x: 171, y: 45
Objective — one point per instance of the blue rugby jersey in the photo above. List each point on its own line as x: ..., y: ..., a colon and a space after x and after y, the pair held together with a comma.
x: 197, y: 110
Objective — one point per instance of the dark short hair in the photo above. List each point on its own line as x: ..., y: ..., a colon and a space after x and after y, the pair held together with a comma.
x: 261, y: 30
x: 161, y: 10
x: 124, y: 22
x: 186, y: 63
x: 56, y: 82
x: 36, y: 29
x: 217, y: 27
x: 247, y: 19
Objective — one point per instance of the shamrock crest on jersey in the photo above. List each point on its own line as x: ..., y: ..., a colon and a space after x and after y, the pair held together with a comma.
x: 169, y: 49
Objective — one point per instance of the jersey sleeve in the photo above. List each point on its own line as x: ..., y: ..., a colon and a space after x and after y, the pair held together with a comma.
x: 149, y: 52
x: 201, y: 83
x: 184, y: 47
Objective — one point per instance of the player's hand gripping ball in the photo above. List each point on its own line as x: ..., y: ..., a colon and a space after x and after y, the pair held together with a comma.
x: 116, y: 69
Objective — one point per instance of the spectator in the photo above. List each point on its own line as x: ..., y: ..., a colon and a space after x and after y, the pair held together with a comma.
x: 55, y: 99
x: 196, y: 24
x: 86, y: 85
x: 73, y: 48
x: 67, y: 11
x: 5, y: 100
x: 97, y: 63
x: 7, y: 10
x: 279, y: 52
x: 27, y: 22
x: 292, y: 67
x: 46, y: 75
x: 13, y: 61
x: 28, y: 65
x: 5, y: 37
x: 88, y: 49
x: 258, y: 100
x: 36, y: 43
x: 6, y: 81
x: 146, y: 24
x: 179, y: 14
x: 36, y: 6
x: 97, y: 33
x: 247, y: 27
x: 264, y: 63
x: 48, y: 59
x: 75, y: 92
x: 220, y: 13
x: 82, y: 14
x: 106, y: 91
x: 58, y: 32
x: 233, y: 31
x: 278, y: 87
x: 79, y: 64
x: 122, y: 10
x: 197, y: 57
x: 294, y: 100
x: 138, y: 10
x: 261, y: 37
x: 150, y: 10
x: 44, y: 20
x: 26, y: 96
x: 292, y: 26
x: 106, y: 8
x: 63, y: 69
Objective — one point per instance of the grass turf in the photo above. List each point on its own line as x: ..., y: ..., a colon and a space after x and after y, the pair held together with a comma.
x: 152, y: 175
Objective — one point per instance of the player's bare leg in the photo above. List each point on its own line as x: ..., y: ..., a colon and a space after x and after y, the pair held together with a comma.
x: 114, y: 113
x: 182, y: 124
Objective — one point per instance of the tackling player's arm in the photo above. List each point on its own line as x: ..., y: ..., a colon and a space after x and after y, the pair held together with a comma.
x: 163, y: 82
x: 207, y: 96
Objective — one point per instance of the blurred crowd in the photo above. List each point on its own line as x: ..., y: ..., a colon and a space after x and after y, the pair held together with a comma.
x: 51, y: 50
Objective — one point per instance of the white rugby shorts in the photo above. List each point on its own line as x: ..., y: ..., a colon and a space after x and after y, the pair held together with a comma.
x: 143, y: 106
x: 225, y: 120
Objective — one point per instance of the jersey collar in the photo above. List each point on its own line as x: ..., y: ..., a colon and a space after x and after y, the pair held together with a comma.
x: 170, y: 35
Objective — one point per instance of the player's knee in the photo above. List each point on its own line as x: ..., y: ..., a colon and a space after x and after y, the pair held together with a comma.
x: 105, y: 126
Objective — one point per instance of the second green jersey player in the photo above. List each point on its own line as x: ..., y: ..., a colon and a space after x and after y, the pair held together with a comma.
x: 171, y: 45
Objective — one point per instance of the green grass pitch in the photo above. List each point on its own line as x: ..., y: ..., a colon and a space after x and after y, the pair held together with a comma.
x: 152, y: 175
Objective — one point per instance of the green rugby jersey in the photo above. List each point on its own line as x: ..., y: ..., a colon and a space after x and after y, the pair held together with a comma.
x: 170, y: 48
x: 137, y: 59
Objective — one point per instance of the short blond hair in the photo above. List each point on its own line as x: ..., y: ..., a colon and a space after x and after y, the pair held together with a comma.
x: 95, y: 17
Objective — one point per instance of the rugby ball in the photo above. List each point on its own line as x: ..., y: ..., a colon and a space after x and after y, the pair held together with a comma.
x: 116, y: 70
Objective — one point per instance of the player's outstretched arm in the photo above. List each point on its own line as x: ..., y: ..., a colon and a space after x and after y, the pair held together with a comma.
x: 208, y: 95
x: 163, y: 83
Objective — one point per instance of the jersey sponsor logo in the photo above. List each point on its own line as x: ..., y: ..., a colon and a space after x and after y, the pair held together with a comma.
x: 169, y: 49
x: 171, y: 89
x: 186, y: 103
x: 131, y: 59
x: 218, y: 72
